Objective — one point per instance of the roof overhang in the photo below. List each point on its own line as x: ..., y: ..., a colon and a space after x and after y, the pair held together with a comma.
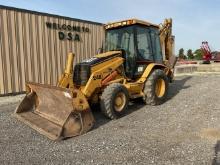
x: 112, y: 25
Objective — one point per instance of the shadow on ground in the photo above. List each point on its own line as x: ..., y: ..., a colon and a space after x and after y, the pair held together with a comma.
x: 177, y: 86
x: 137, y: 104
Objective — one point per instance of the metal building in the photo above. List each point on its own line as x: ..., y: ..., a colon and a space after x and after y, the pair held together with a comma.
x: 34, y: 46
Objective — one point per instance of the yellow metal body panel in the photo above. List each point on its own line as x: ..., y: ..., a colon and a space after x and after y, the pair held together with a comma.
x: 99, y: 72
x: 66, y: 79
x: 136, y: 88
x: 148, y: 70
x: 106, y: 54
x: 102, y: 70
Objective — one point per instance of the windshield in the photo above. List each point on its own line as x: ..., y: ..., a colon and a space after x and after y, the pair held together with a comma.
x: 122, y: 38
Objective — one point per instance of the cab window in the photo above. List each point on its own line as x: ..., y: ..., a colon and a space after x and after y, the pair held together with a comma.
x: 156, y: 47
x: 143, y: 44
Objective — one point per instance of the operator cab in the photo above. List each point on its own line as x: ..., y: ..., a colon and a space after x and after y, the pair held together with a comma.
x: 139, y: 41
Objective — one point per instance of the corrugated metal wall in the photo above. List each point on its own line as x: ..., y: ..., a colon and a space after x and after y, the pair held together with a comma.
x: 30, y: 51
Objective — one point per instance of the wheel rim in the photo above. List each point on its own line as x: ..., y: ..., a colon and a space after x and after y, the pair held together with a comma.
x: 160, y: 88
x: 120, y: 101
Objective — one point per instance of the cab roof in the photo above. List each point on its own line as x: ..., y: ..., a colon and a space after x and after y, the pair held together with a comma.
x: 113, y: 25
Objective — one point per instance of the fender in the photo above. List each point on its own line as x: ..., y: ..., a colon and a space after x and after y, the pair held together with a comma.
x: 148, y: 70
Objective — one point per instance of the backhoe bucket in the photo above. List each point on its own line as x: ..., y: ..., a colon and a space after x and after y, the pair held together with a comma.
x: 55, y: 112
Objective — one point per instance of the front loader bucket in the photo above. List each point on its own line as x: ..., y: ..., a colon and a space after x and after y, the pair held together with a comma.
x: 55, y: 112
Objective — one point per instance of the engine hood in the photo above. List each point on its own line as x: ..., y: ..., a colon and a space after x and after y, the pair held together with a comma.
x: 108, y: 54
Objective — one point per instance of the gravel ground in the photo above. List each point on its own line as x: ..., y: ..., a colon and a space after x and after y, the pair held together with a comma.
x: 7, y: 100
x: 184, y: 130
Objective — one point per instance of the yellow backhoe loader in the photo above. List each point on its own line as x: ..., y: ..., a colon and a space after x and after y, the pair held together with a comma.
x: 136, y: 61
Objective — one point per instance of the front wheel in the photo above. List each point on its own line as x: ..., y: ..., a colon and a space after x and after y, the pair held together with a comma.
x: 114, y: 100
x: 156, y: 88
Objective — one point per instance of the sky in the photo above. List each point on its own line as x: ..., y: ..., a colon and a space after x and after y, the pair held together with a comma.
x: 194, y: 21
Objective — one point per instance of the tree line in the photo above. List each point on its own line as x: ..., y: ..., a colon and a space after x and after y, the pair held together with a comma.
x: 197, y: 54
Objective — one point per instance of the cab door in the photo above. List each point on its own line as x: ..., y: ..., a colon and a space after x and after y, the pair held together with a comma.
x: 147, y: 47
x: 143, y: 48
x: 156, y: 46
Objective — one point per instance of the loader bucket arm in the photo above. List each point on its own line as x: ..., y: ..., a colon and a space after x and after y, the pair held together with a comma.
x: 55, y: 112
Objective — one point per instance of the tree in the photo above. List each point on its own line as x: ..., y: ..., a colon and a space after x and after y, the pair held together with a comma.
x: 190, y: 54
x: 198, y: 54
x: 181, y: 54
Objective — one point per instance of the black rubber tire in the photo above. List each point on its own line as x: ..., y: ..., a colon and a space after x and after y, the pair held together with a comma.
x: 150, y: 96
x: 107, y: 100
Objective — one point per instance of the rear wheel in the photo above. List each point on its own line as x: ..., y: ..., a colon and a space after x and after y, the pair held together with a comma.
x: 114, y: 100
x: 156, y: 88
